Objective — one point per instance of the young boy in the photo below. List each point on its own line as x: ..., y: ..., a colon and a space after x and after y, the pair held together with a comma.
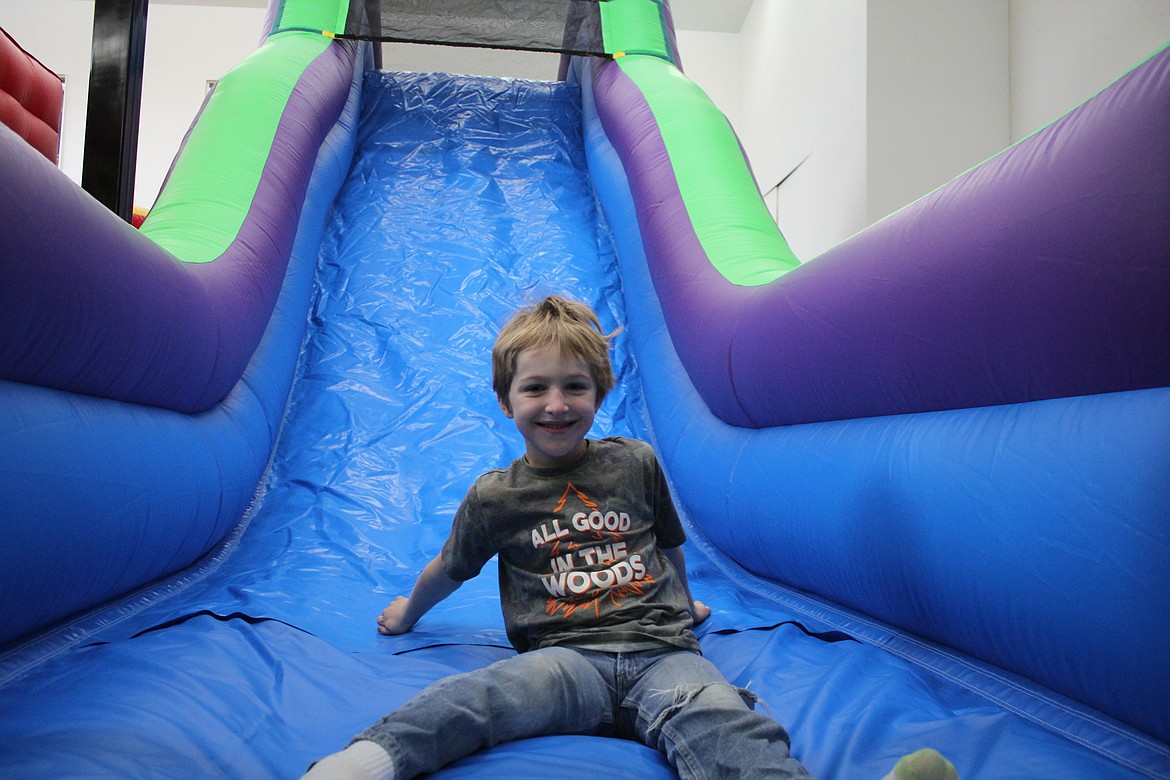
x: 593, y: 588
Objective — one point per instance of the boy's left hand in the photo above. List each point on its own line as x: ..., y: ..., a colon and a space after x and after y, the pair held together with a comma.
x: 700, y: 612
x: 393, y: 620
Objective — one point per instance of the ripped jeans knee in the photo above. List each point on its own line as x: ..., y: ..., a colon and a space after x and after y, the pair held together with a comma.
x: 718, y: 697
x: 707, y: 727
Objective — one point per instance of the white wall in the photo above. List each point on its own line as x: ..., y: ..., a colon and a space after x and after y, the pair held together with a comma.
x: 802, y: 111
x: 541, y: 66
x: 889, y: 99
x: 1065, y: 51
x: 937, y: 95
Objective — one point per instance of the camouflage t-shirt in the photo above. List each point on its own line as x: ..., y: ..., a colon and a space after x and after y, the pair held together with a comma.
x: 580, y: 559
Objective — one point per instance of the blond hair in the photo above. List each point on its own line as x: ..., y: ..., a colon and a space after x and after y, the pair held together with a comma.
x: 557, y: 323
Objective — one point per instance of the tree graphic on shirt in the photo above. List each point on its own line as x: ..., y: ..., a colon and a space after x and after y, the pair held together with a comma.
x: 589, y: 564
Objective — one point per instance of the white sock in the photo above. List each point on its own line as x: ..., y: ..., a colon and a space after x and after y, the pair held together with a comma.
x: 363, y: 760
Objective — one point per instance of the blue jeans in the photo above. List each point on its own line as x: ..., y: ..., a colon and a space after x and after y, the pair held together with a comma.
x: 673, y: 700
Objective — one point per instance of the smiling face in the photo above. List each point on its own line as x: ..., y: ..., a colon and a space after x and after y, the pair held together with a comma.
x: 552, y: 400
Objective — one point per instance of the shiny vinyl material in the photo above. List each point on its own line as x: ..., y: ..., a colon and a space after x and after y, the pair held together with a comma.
x: 466, y: 198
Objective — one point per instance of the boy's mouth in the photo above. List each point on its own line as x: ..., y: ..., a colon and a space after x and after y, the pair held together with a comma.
x: 556, y: 425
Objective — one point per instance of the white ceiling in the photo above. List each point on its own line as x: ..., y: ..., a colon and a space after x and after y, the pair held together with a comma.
x: 701, y: 15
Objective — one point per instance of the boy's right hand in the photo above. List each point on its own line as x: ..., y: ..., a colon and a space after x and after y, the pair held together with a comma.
x: 392, y: 621
x: 432, y: 586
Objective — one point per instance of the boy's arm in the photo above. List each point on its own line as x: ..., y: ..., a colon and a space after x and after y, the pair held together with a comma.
x: 678, y: 559
x: 433, y: 586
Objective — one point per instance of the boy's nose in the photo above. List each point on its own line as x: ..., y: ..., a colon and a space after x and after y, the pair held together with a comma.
x: 556, y: 401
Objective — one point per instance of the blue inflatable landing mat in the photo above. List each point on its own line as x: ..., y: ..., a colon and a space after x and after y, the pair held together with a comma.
x: 466, y: 198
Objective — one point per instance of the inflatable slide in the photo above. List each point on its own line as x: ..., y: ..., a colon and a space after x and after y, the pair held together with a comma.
x: 925, y: 475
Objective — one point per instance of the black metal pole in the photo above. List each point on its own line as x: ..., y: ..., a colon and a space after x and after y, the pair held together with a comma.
x: 374, y: 14
x: 115, y: 102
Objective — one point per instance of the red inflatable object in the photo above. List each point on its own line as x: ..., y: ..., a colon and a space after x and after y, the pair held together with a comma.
x: 31, y: 97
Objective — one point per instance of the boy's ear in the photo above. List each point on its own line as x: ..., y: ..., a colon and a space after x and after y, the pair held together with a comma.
x: 504, y: 407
